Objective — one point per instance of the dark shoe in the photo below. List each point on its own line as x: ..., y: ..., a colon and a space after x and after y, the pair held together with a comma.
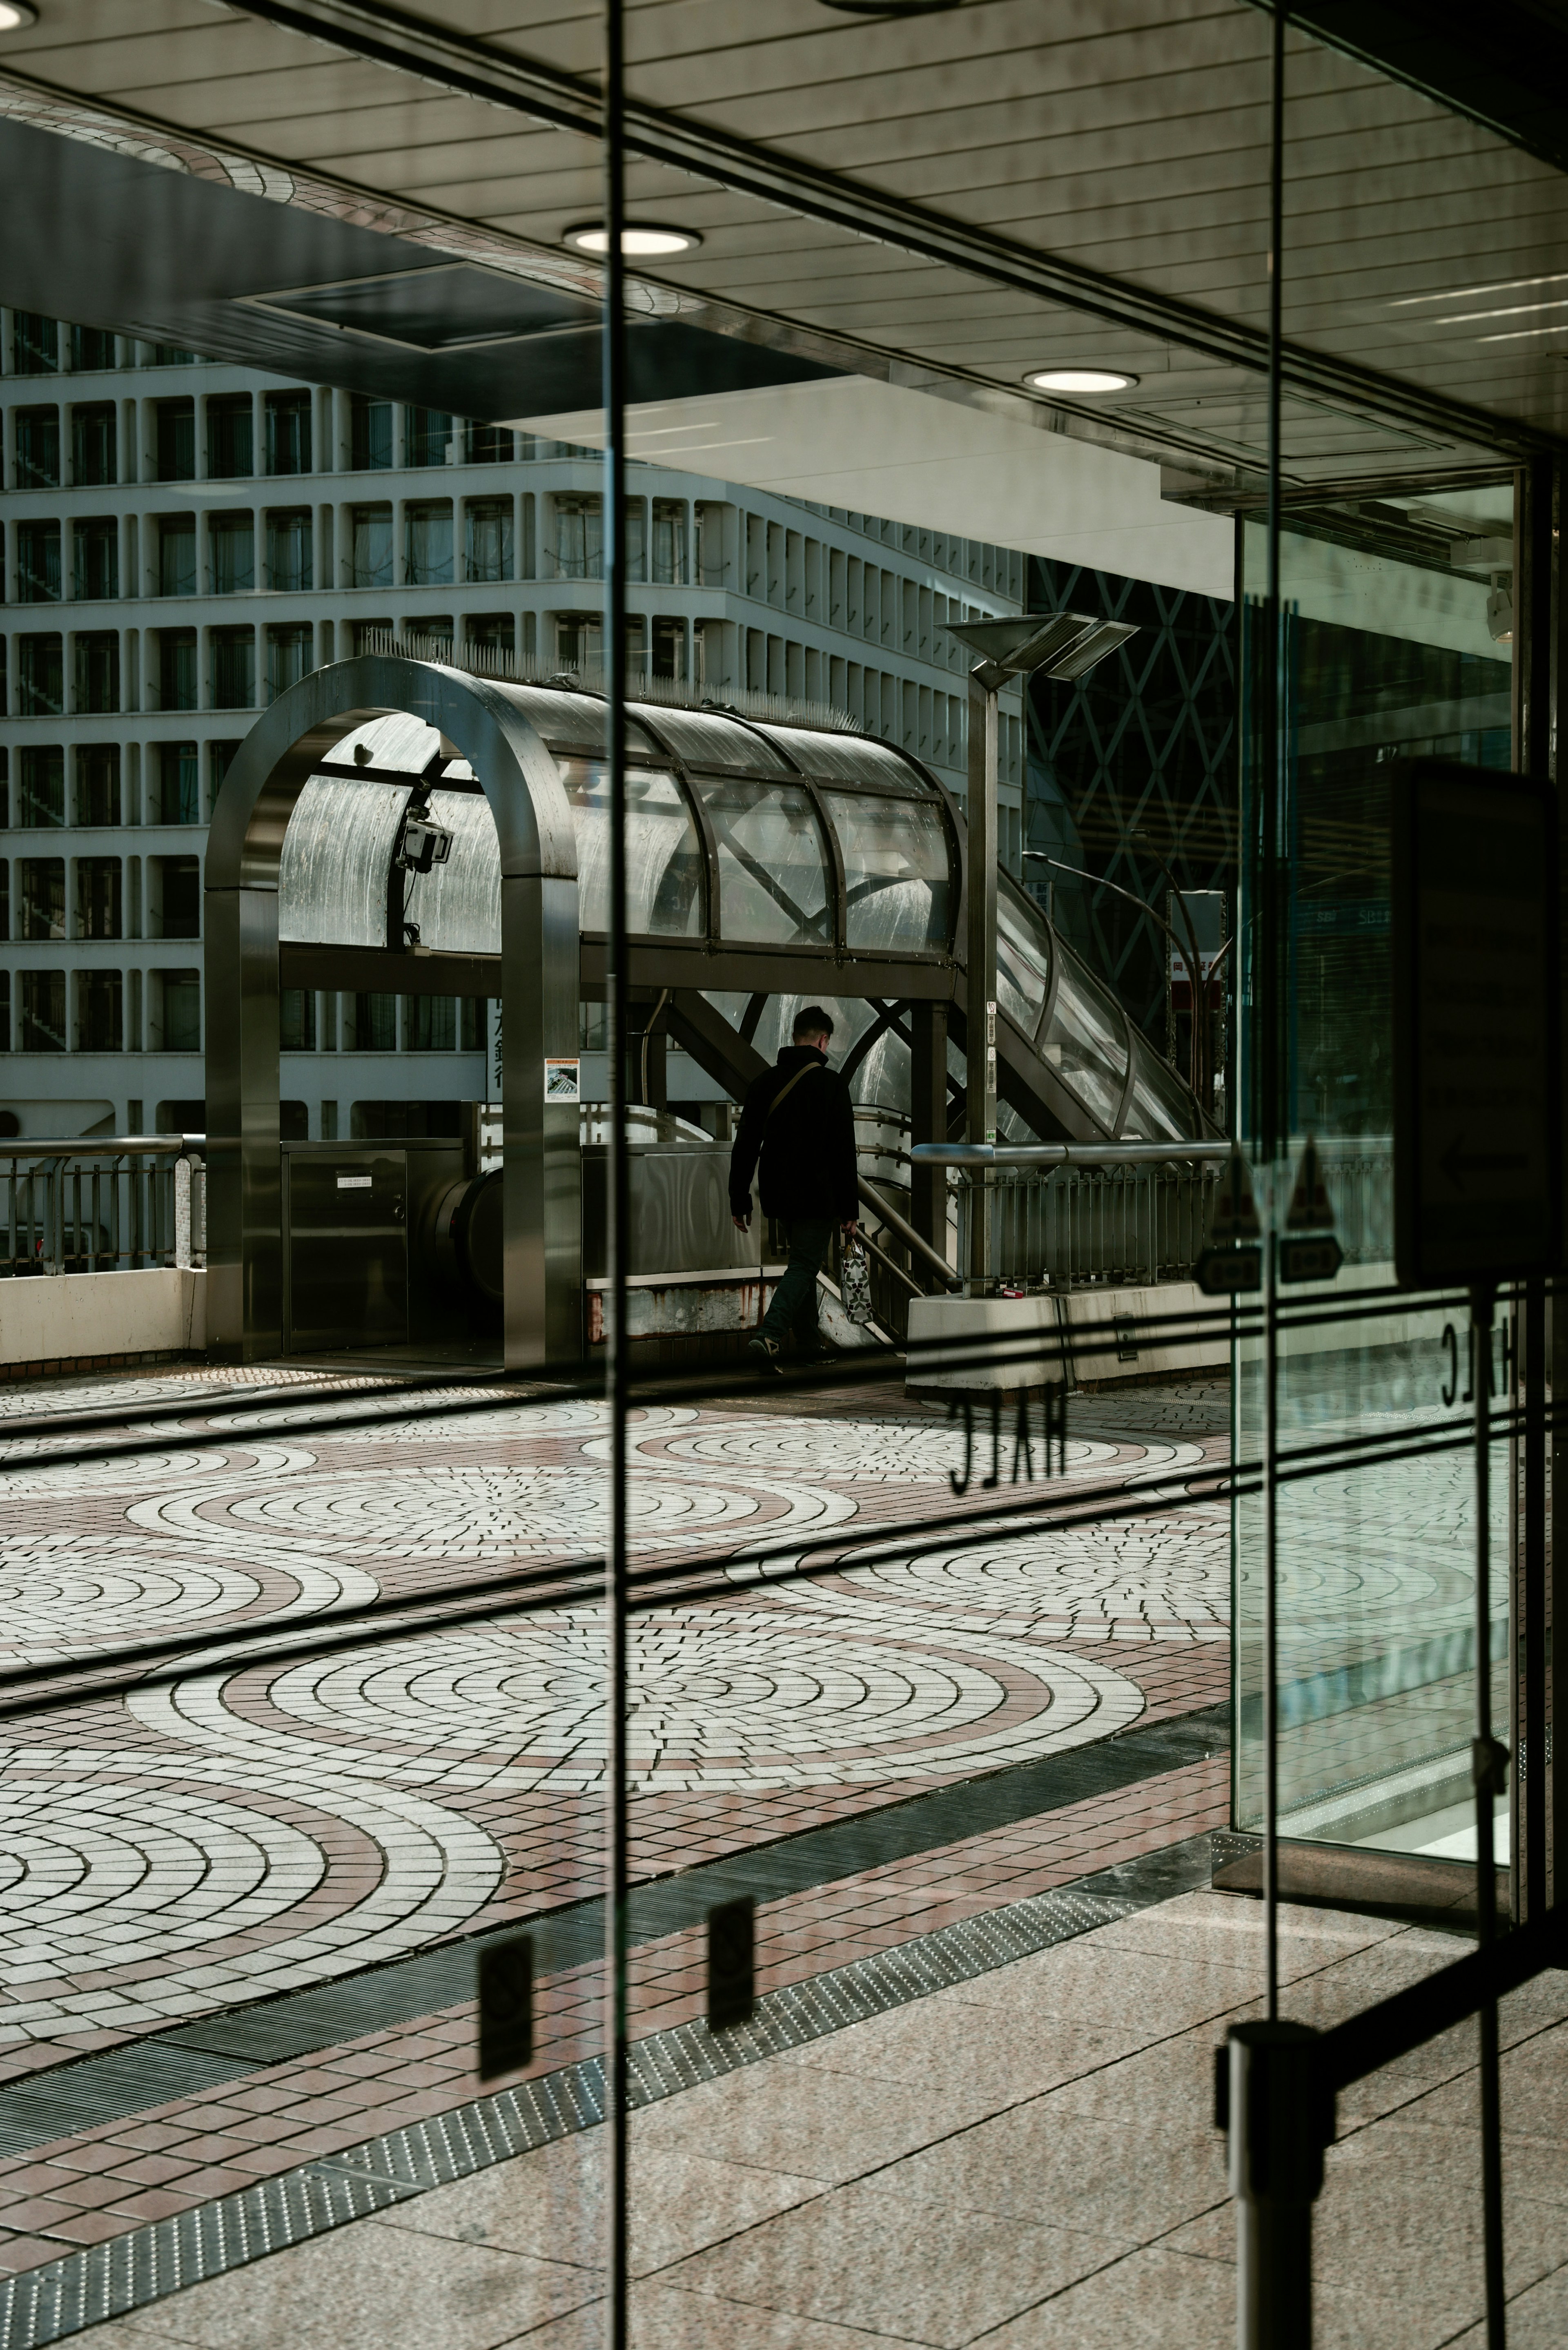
x: 768, y: 1354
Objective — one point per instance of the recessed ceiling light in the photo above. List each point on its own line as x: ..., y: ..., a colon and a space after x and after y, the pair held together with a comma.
x: 639, y: 240
x: 1081, y: 378
x: 15, y: 14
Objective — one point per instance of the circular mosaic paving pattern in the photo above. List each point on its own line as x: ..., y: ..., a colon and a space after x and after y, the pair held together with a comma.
x: 63, y: 1600
x: 717, y: 1699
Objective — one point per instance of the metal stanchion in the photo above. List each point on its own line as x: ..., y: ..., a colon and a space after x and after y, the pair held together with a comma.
x: 1279, y: 2117
x: 1488, y: 1769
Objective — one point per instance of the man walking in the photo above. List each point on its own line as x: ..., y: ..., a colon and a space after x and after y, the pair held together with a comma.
x: 799, y: 1120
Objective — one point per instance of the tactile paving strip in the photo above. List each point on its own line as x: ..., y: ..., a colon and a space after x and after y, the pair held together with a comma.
x: 47, y: 2304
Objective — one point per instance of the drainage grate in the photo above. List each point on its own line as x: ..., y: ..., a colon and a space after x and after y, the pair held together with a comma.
x: 47, y: 2304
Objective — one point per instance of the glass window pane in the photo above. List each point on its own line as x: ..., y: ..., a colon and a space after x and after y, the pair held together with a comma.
x: 772, y: 866
x: 1022, y: 958
x: 896, y: 870
x: 1162, y: 1109
x: 1086, y: 1041
x: 663, y: 855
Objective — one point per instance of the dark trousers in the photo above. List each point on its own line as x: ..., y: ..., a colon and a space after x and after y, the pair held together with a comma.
x: 794, y: 1304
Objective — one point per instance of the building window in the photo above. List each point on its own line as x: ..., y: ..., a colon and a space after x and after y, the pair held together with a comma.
x: 430, y: 628
x: 427, y: 545
x: 38, y: 449
x: 179, y: 784
x: 487, y: 538
x: 233, y: 669
x: 372, y: 636
x: 99, y: 1026
x: 40, y: 677
x: 35, y: 344
x: 579, y: 538
x: 430, y: 435
x: 97, y: 671
x: 5, y: 899
x: 37, y: 562
x: 372, y: 560
x: 95, y: 558
x: 220, y: 759
x: 5, y: 1011
x: 669, y: 647
x: 670, y: 542
x: 288, y: 548
x: 174, y: 897
x: 488, y: 445
x: 297, y: 1020
x: 175, y: 451
x: 43, y: 1011
x: 177, y: 555
x: 372, y: 1022
x: 177, y: 669
x: 430, y: 1024
x: 174, y: 1021
x: 230, y: 453
x: 97, y: 783
x: 495, y: 633
x: 370, y: 434
x: 92, y: 350
x: 43, y: 897
x: 174, y: 355
x: 41, y: 786
x: 288, y: 433
x: 289, y: 653
x: 95, y: 462
x: 98, y: 897
x: 579, y: 637
x: 233, y: 538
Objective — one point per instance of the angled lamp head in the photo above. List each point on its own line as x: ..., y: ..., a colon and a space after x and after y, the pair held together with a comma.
x: 1066, y: 645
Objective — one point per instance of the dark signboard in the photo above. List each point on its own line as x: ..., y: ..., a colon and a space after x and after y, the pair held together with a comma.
x: 1477, y: 1112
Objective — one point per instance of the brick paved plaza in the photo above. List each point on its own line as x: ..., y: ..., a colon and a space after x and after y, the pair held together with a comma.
x: 220, y: 1836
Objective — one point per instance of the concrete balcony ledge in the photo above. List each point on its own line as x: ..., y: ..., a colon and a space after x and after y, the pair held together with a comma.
x: 90, y: 1319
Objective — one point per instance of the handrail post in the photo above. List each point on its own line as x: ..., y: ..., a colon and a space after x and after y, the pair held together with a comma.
x: 1278, y: 2117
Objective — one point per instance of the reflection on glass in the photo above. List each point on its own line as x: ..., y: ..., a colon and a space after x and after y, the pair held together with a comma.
x: 1088, y: 1040
x: 847, y: 758
x: 1392, y: 649
x: 1023, y: 957
x: 664, y: 858
x: 895, y: 870
x: 772, y: 867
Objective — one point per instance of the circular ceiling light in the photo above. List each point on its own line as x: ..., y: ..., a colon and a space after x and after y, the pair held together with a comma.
x: 1080, y: 378
x: 639, y: 240
x: 15, y: 14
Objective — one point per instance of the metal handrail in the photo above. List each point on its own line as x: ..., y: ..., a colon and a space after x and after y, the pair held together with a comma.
x: 907, y: 1234
x: 1061, y: 1154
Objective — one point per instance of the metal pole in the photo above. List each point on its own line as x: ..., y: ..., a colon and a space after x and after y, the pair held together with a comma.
x: 1489, y: 1771
x: 980, y: 1122
x: 617, y: 2195
x: 1271, y: 1041
x: 1278, y: 2121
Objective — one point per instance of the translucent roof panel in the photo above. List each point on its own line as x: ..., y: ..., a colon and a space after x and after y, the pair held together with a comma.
x: 1086, y: 1041
x: 457, y: 905
x: 398, y: 741
x: 663, y: 853
x: 847, y: 758
x: 564, y: 717
x: 706, y: 738
x: 773, y: 864
x: 1160, y: 1109
x: 1023, y: 957
x: 337, y: 855
x: 896, y: 865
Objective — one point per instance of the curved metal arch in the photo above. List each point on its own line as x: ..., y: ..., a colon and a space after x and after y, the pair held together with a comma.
x: 486, y: 725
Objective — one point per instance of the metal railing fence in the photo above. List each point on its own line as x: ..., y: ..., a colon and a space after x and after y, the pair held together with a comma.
x: 119, y: 1205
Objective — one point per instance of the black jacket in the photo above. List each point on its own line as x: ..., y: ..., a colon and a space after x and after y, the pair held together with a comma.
x: 808, y: 1149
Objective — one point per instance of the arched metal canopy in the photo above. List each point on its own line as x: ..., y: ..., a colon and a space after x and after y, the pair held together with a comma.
x: 766, y: 859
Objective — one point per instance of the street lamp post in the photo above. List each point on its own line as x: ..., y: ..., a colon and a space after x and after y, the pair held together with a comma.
x: 1068, y: 645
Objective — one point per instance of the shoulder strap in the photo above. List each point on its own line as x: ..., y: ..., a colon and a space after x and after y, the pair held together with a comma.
x: 788, y: 1087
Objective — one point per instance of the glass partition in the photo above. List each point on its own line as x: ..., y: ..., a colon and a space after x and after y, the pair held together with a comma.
x: 1022, y: 958
x: 1086, y: 1041
x: 663, y: 855
x: 1392, y: 648
x: 773, y: 866
x: 896, y: 862
x: 1160, y: 1109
